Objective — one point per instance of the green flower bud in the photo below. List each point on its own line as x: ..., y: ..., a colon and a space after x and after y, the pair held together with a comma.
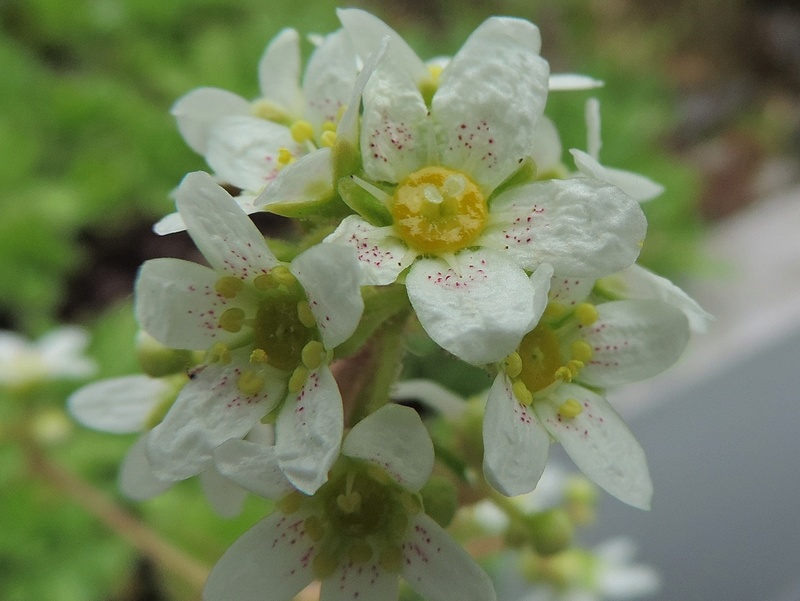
x: 550, y: 531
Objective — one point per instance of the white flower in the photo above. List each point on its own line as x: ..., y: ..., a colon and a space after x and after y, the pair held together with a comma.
x: 551, y: 388
x: 59, y: 354
x: 356, y: 534
x: 248, y: 143
x: 444, y: 143
x: 131, y: 404
x: 265, y: 326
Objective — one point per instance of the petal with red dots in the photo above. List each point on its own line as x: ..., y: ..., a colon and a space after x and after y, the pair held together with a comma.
x: 438, y: 568
x: 274, y: 556
x: 515, y: 443
x: 308, y: 433
x: 300, y: 188
x: 633, y: 340
x: 599, y: 443
x: 489, y: 100
x: 360, y: 582
x: 478, y: 307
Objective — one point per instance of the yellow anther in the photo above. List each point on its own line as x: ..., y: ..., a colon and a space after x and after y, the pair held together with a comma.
x: 586, y: 314
x: 228, y: 286
x: 298, y: 379
x: 340, y: 113
x: 574, y: 367
x: 328, y: 138
x: 411, y: 503
x: 232, y: 320
x: 259, y: 355
x: 250, y: 383
x: 554, y: 310
x: 581, y: 351
x: 329, y: 126
x: 522, y: 393
x: 570, y: 408
x: 291, y: 502
x: 313, y: 354
x: 315, y: 529
x: 349, y: 503
x: 302, y: 131
x: 282, y: 275
x: 263, y: 282
x: 269, y: 111
x: 392, y: 559
x: 564, y: 374
x: 359, y: 552
x: 435, y: 71
x: 285, y: 157
x: 220, y: 352
x: 305, y: 315
x: 513, y: 365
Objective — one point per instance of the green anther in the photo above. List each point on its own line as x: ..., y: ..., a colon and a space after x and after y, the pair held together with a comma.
x: 291, y: 502
x: 263, y: 282
x: 298, y: 379
x: 349, y: 503
x: 360, y: 552
x: 392, y: 559
x: 570, y: 408
x: 522, y: 393
x: 554, y: 310
x: 250, y: 383
x: 259, y: 356
x: 411, y: 503
x: 513, y: 365
x: 581, y: 351
x: 232, y: 320
x: 315, y: 529
x: 229, y: 286
x: 282, y: 275
x: 324, y: 564
x: 313, y: 354
x: 305, y: 315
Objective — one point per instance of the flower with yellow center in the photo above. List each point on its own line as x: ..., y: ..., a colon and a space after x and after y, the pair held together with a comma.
x: 435, y: 146
x: 267, y: 329
x: 551, y: 388
x: 358, y: 534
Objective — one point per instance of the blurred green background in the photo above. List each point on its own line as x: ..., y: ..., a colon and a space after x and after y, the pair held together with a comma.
x: 700, y: 96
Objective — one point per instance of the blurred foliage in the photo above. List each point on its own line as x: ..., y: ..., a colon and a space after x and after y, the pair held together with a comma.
x: 89, y: 150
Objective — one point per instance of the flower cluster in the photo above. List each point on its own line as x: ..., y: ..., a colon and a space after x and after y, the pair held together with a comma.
x: 429, y: 197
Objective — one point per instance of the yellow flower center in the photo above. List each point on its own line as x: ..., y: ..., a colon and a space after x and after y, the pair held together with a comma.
x: 438, y: 210
x: 541, y: 358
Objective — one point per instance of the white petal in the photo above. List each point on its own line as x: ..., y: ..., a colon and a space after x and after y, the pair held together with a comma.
x: 600, y: 444
x: 490, y: 97
x: 570, y: 291
x: 479, y: 309
x: 308, y: 433
x: 394, y: 438
x: 367, y: 32
x: 208, y: 411
x: 62, y: 350
x: 252, y: 466
x: 381, y: 255
x: 396, y: 130
x: 638, y: 187
x: 136, y: 478
x: 198, y: 110
x: 438, y: 568
x: 541, y: 280
x: 274, y: 557
x: 220, y: 229
x: 633, y: 340
x: 119, y: 405
x: 432, y: 395
x: 582, y: 227
x: 360, y: 582
x: 224, y: 496
x: 309, y: 179
x: 169, y: 224
x: 329, y: 78
x: 594, y: 138
x: 572, y: 81
x: 637, y: 282
x: 515, y: 443
x: 331, y: 277
x: 546, y: 150
x: 176, y: 304
x: 279, y: 72
x: 244, y: 150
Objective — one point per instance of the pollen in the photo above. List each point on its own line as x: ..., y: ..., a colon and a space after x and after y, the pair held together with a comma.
x: 586, y: 314
x: 302, y: 131
x: 438, y: 210
x: 570, y: 408
x: 232, y: 320
x: 259, y: 355
x: 228, y: 286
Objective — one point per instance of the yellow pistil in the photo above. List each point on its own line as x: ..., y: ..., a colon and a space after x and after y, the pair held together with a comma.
x: 228, y: 286
x: 302, y: 131
x: 570, y: 408
x: 232, y: 320
x: 250, y: 383
x: 438, y: 210
x: 541, y: 359
x: 298, y: 379
x: 586, y: 314
x: 313, y: 354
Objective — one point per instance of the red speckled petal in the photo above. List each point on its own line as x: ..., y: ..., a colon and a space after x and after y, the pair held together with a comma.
x: 361, y: 582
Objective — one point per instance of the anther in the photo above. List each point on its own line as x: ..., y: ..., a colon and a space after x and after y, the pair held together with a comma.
x: 522, y: 393
x: 554, y: 310
x: 328, y: 138
x: 328, y: 126
x: 298, y: 379
x: 586, y: 313
x: 285, y: 157
x: 349, y: 503
x: 305, y: 315
x: 575, y: 367
x: 313, y: 354
x: 581, y: 351
x: 282, y: 275
x: 259, y: 355
x: 220, y: 352
x: 359, y: 552
x: 232, y: 320
x: 250, y: 383
x: 564, y: 374
x: 315, y: 529
x: 570, y: 408
x: 291, y: 502
x: 513, y: 365
x: 228, y: 286
x: 302, y: 131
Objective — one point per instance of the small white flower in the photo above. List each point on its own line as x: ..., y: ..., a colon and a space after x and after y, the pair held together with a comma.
x: 444, y: 143
x: 247, y: 143
x: 59, y: 354
x: 357, y: 534
x: 551, y: 388
x: 267, y: 327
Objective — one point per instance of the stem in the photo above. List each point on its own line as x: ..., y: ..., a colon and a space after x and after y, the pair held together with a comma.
x: 116, y: 518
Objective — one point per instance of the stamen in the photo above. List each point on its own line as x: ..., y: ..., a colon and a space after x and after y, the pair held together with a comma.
x: 298, y: 379
x: 554, y: 310
x: 302, y: 131
x: 328, y: 138
x: 349, y: 503
x: 232, y: 320
x: 513, y: 365
x: 263, y: 282
x: 313, y: 354
x: 586, y: 314
x: 564, y: 374
x: 570, y: 408
x: 522, y: 393
x: 359, y: 552
x: 228, y: 286
x: 372, y: 189
x: 220, y: 352
x: 250, y: 383
x: 574, y: 367
x: 315, y: 529
x: 271, y: 112
x: 305, y: 315
x: 285, y: 157
x: 259, y: 356
x: 291, y: 502
x: 581, y: 351
x: 328, y: 126
x: 282, y: 275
